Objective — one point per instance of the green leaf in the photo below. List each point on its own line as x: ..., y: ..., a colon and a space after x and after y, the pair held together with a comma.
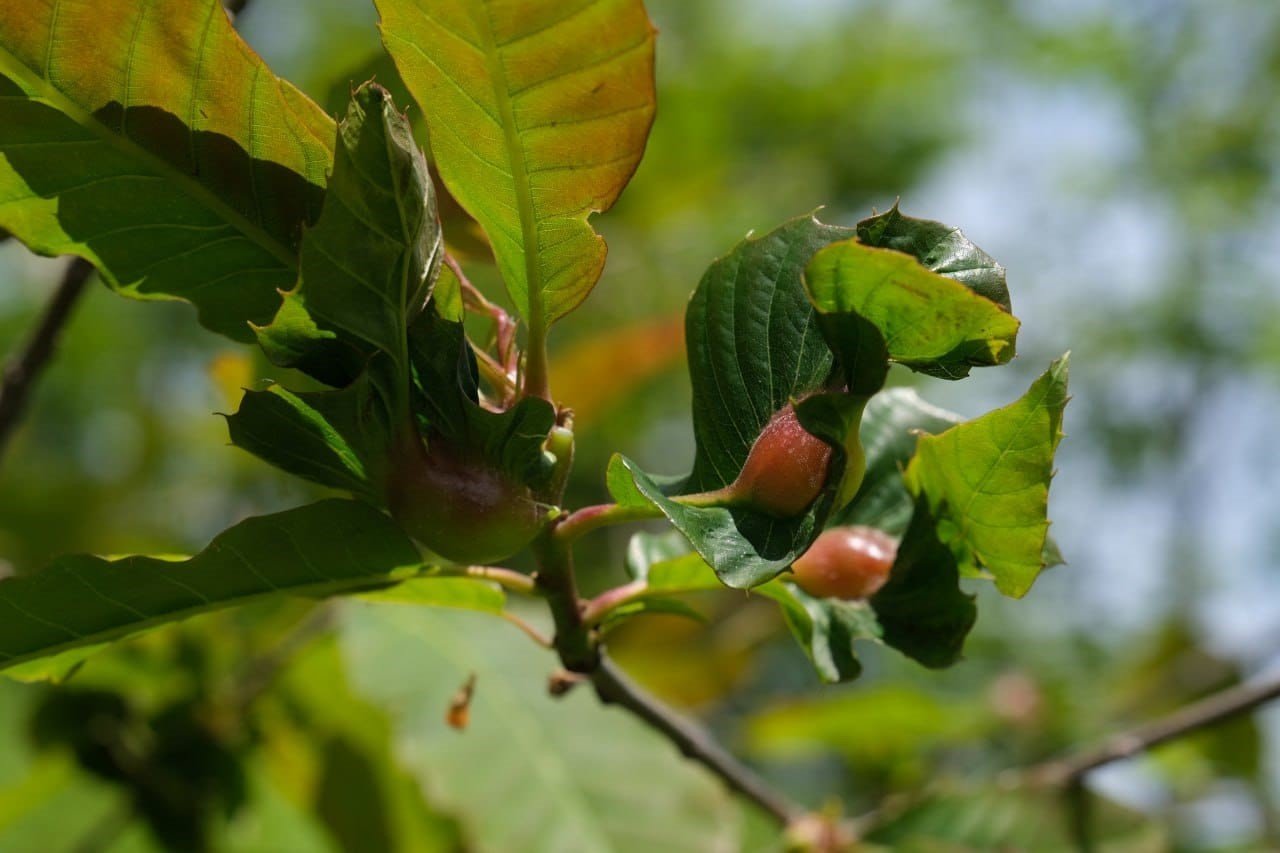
x: 329, y: 547
x: 890, y: 426
x: 921, y: 610
x: 369, y: 264
x: 969, y: 819
x: 447, y: 400
x: 754, y: 346
x: 538, y: 114
x: 649, y: 605
x: 941, y: 248
x: 553, y: 765
x: 987, y: 483
x: 459, y: 593
x: 873, y: 726
x: 152, y: 141
x: 928, y: 322
x: 665, y: 563
x: 826, y: 628
x: 745, y: 548
x: 334, y: 438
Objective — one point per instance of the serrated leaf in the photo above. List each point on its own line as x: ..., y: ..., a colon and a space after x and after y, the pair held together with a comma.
x: 754, y: 346
x: 335, y: 438
x: 746, y: 548
x: 553, y: 764
x: 987, y: 482
x: 325, y: 548
x: 368, y: 265
x: 826, y: 628
x: 538, y: 114
x: 447, y: 401
x: 941, y: 248
x: 151, y: 140
x: 928, y: 322
x: 890, y: 426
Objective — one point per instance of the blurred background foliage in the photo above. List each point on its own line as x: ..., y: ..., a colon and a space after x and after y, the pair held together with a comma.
x: 1119, y: 158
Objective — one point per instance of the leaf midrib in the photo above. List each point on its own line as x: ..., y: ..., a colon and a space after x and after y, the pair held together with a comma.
x: 519, y: 171
x: 58, y: 100
x: 313, y: 589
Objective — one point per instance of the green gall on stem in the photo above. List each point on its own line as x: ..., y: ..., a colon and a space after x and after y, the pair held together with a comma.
x: 846, y: 562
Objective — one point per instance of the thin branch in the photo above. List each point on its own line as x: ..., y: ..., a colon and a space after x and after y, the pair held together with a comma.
x: 257, y: 675
x: 1210, y: 711
x: 530, y: 631
x: 590, y: 518
x: 603, y: 604
x: 26, y: 364
x: 506, y: 578
x: 692, y: 740
x: 556, y: 582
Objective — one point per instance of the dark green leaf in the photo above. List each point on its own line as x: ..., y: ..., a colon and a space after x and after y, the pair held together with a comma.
x: 369, y: 264
x: 753, y: 348
x: 921, y: 610
x: 753, y: 344
x: 335, y: 438
x: 928, y: 322
x: 941, y: 248
x: 150, y: 140
x: 826, y: 628
x: 447, y: 399
x: 79, y: 601
x: 987, y: 483
x: 746, y: 548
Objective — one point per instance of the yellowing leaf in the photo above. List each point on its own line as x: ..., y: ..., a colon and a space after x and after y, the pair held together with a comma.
x: 148, y: 138
x: 538, y: 114
x: 987, y: 481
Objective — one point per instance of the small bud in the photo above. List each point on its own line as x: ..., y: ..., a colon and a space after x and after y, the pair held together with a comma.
x: 846, y: 562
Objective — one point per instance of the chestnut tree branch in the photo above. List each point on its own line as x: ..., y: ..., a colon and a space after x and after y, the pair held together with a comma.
x: 28, y: 362
x: 1209, y: 711
x: 615, y: 688
x: 587, y: 519
x: 581, y: 656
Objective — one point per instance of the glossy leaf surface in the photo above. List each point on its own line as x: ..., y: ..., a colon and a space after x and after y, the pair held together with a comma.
x: 79, y: 601
x: 928, y: 322
x: 368, y: 265
x: 151, y: 140
x: 754, y: 346
x: 939, y: 247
